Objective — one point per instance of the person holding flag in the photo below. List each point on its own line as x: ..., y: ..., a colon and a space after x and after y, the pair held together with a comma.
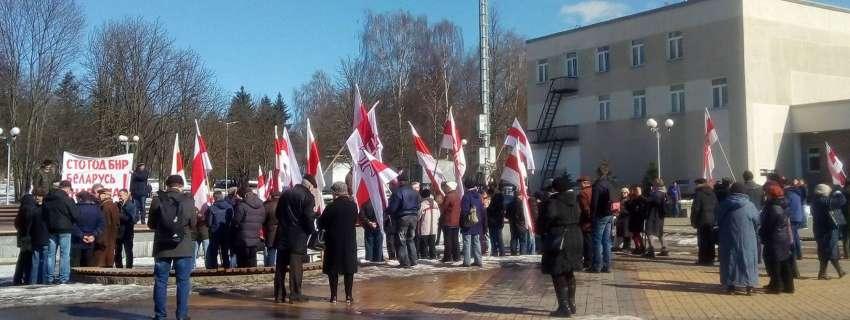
x: 404, y: 210
x: 314, y: 167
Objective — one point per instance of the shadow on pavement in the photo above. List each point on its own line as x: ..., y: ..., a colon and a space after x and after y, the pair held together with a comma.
x: 483, y: 308
x: 100, y: 313
x: 678, y: 286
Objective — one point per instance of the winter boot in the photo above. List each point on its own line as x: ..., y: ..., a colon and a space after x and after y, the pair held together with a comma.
x: 822, y: 271
x: 571, y: 296
x: 563, y: 310
x: 838, y: 269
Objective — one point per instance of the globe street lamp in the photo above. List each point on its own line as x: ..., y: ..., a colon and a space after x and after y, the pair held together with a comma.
x: 653, y: 127
x: 13, y: 134
x: 127, y: 141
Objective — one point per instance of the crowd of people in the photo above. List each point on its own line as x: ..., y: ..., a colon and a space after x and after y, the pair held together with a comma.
x: 577, y: 224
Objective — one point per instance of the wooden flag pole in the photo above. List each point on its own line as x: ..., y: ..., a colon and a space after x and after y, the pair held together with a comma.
x: 336, y: 156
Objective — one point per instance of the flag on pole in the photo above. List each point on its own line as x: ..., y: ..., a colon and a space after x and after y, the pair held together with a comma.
x: 836, y: 167
x: 427, y: 161
x: 453, y: 142
x: 359, y: 108
x: 364, y: 138
x: 515, y: 173
x: 201, y: 167
x: 262, y: 188
x: 288, y: 173
x: 314, y: 163
x: 517, y: 139
x: 177, y: 159
x: 707, y: 156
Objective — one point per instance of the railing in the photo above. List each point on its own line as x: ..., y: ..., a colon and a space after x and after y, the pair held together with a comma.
x: 559, y: 133
x: 564, y: 85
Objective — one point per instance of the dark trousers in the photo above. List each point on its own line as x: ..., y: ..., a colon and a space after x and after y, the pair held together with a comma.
x: 705, y: 243
x: 781, y: 274
x: 140, y: 205
x: 373, y: 239
x: 392, y: 245
x: 428, y: 247
x: 22, y: 268
x: 406, y: 237
x: 246, y: 257
x: 333, y: 282
x: 82, y: 256
x: 587, y: 246
x: 496, y: 242
x: 292, y: 263
x: 451, y: 250
x: 519, y: 240
x: 217, y: 247
x: 125, y: 245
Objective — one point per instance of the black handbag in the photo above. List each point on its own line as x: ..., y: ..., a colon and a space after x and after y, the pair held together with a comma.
x: 837, y: 216
x: 553, y: 241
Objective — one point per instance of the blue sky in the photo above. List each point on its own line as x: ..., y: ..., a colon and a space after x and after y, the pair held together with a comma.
x: 274, y: 46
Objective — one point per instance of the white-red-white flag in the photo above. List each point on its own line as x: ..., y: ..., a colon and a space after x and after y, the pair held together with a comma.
x: 453, y: 142
x: 201, y: 167
x: 709, y: 139
x: 314, y: 163
x: 365, y: 137
x: 515, y: 173
x: 427, y: 161
x: 262, y: 188
x: 360, y: 111
x: 836, y: 167
x: 177, y: 159
x: 517, y: 139
x: 288, y: 172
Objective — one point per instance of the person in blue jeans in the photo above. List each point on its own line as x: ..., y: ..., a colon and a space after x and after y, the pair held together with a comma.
x: 496, y: 221
x: 218, y: 217
x: 373, y: 238
x: 797, y: 217
x: 469, y: 204
x: 600, y: 208
x: 172, y: 217
x: 140, y: 189
x: 61, y: 215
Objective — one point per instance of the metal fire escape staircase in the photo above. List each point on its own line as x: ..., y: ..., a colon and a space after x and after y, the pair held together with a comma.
x: 554, y: 136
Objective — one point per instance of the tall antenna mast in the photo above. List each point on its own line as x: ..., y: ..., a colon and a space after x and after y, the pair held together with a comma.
x: 484, y: 119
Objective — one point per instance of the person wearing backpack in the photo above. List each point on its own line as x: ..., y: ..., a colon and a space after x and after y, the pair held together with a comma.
x: 172, y: 217
x: 473, y: 218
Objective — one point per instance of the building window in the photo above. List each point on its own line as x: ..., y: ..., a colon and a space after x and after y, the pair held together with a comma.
x: 542, y: 71
x: 719, y: 94
x: 637, y: 53
x: 639, y: 104
x: 602, y: 59
x: 677, y: 98
x: 674, y: 45
x: 604, y: 108
x: 572, y: 65
x: 814, y: 159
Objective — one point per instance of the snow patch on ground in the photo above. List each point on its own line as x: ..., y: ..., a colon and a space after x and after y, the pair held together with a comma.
x: 681, y: 239
x: 36, y: 295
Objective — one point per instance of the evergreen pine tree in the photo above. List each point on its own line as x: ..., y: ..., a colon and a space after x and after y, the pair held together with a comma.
x: 282, y: 109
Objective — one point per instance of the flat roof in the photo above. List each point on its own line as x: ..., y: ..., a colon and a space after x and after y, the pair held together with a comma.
x: 670, y: 7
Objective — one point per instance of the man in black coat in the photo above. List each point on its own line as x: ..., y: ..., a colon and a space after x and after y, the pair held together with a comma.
x: 603, y: 220
x: 61, y: 214
x: 129, y: 216
x: 248, y: 219
x: 754, y: 190
x: 702, y: 219
x: 140, y: 189
x: 296, y: 222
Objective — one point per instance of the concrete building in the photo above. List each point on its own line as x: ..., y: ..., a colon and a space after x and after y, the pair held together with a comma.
x: 774, y: 75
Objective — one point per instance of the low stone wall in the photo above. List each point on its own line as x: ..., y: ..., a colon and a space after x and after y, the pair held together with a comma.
x: 144, y: 276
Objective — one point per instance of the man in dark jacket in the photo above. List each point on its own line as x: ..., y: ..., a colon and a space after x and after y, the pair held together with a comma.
x: 754, y: 190
x: 796, y: 215
x: 372, y: 236
x: 270, y: 229
x: 516, y: 220
x: 584, y: 196
x: 496, y: 222
x: 600, y: 209
x: 140, y: 189
x: 403, y: 208
x: 471, y: 204
x: 172, y: 218
x: 128, y: 216
x: 296, y: 223
x: 219, y: 216
x: 45, y: 176
x: 702, y: 219
x: 90, y: 232
x: 248, y: 219
x: 61, y: 214
x: 33, y: 240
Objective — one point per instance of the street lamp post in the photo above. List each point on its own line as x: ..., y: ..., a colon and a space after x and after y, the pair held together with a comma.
x: 126, y: 141
x: 13, y: 134
x: 653, y: 127
x: 226, y: 151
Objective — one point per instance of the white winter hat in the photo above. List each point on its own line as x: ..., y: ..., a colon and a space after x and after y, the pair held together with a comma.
x: 452, y: 185
x: 823, y: 190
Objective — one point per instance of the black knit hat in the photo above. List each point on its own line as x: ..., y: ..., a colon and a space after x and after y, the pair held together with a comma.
x: 311, y: 179
x: 173, y: 180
